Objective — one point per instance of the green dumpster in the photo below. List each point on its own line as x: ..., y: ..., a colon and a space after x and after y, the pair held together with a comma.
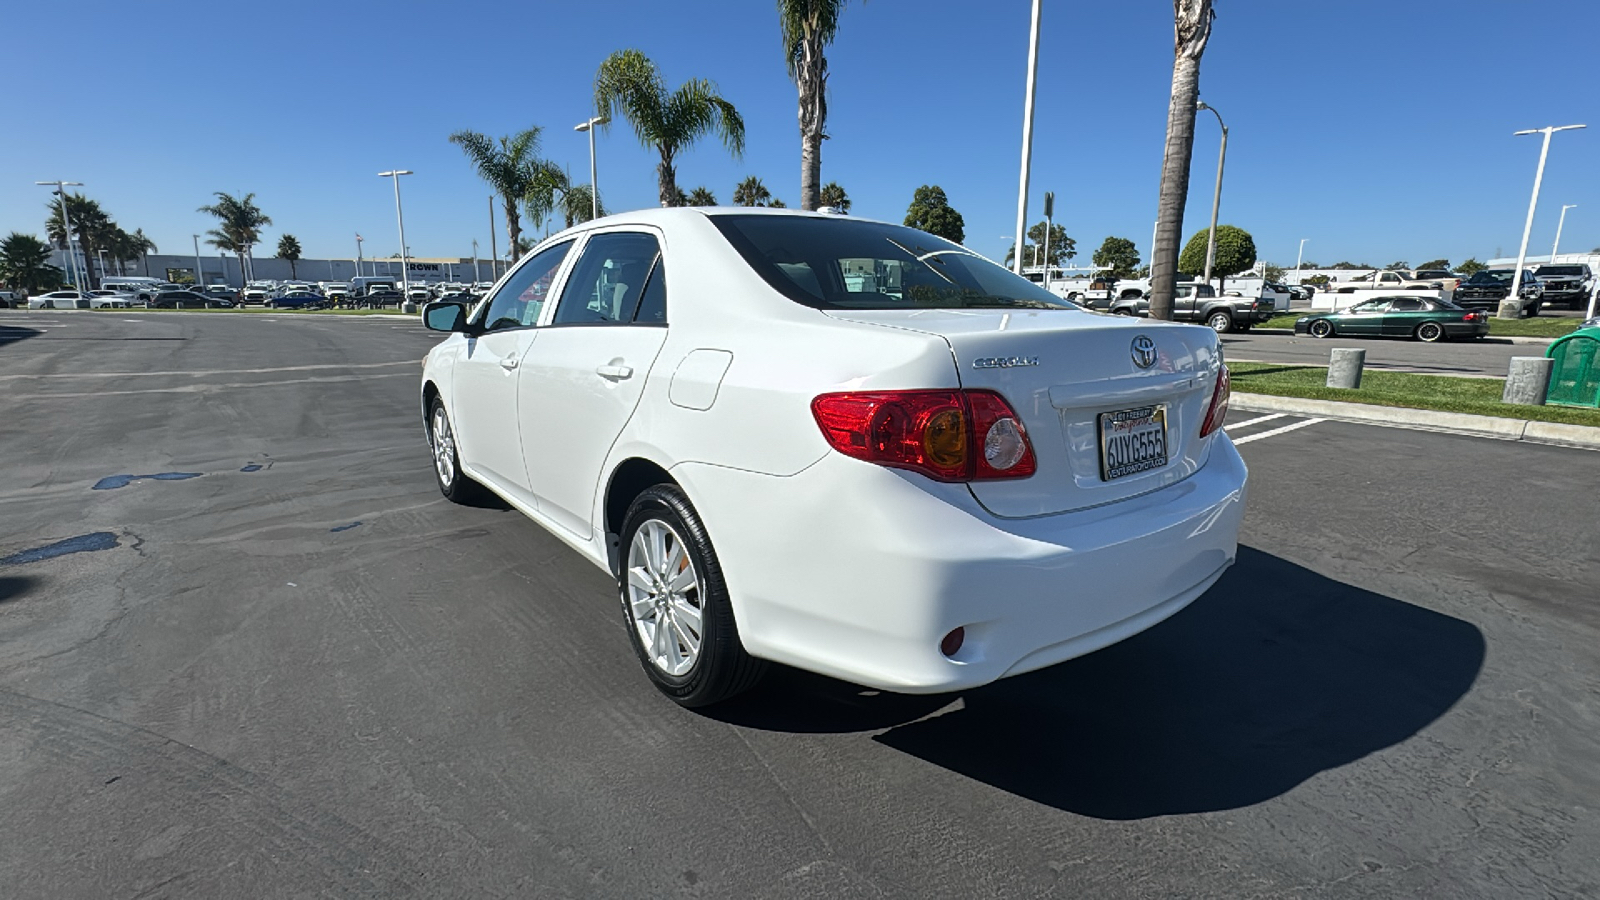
x: 1575, y: 375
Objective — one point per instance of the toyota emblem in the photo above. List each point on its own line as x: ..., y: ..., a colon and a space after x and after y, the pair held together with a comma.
x: 1144, y: 351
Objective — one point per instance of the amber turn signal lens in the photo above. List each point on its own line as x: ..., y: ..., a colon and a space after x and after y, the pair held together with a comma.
x: 945, y: 439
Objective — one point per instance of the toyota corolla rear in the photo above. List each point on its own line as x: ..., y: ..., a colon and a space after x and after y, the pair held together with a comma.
x: 1063, y: 485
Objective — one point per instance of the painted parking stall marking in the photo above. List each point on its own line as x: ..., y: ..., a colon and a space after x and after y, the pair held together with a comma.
x: 1274, y: 432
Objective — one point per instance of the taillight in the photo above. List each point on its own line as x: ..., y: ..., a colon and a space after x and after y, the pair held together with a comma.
x: 945, y: 435
x: 1217, y: 412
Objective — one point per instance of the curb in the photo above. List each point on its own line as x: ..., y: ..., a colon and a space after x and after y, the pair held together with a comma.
x: 1583, y: 437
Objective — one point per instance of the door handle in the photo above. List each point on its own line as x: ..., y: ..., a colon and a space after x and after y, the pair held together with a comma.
x: 508, y: 363
x: 614, y: 372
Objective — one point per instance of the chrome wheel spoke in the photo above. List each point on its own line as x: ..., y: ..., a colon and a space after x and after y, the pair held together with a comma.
x: 688, y: 616
x: 681, y: 581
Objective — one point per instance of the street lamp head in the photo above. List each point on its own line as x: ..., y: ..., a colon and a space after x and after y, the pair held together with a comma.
x: 596, y: 121
x: 394, y: 173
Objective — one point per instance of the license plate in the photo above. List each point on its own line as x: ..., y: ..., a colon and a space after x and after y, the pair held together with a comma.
x: 1132, y: 441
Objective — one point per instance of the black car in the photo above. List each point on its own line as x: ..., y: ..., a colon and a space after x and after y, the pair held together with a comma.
x: 1485, y: 290
x: 189, y: 300
x: 380, y: 298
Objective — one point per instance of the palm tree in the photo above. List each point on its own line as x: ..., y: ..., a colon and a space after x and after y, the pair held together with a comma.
x: 1192, y: 27
x: 289, y: 249
x: 702, y: 196
x: 90, y: 226
x: 833, y: 195
x: 509, y: 168
x: 808, y: 27
x: 751, y: 192
x: 550, y: 191
x: 25, y: 264
x: 628, y: 84
x: 578, y: 204
x: 142, y: 247
x: 239, y: 224
x: 776, y: 203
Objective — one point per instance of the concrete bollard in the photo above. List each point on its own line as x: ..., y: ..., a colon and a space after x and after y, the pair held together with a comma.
x: 1344, y: 369
x: 408, y: 307
x: 1528, y: 381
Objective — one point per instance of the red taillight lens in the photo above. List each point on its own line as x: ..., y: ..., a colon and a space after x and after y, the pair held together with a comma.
x: 1217, y: 412
x: 945, y: 435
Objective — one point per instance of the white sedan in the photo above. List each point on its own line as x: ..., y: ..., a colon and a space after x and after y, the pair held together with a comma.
x: 838, y: 444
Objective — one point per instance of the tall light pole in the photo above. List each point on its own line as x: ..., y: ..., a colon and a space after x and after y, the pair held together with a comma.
x: 66, y: 226
x: 1298, y: 278
x: 197, y: 260
x: 475, y: 278
x: 1216, y: 197
x: 1027, y: 141
x: 101, y: 252
x: 405, y: 268
x: 594, y: 186
x: 494, y: 247
x: 1561, y: 222
x: 359, y: 239
x: 1511, y: 305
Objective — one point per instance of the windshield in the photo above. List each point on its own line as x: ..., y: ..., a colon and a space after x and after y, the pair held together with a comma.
x: 1565, y: 271
x: 1492, y: 276
x: 844, y: 264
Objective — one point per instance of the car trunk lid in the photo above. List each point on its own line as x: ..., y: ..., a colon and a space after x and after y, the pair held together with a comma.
x: 1068, y: 375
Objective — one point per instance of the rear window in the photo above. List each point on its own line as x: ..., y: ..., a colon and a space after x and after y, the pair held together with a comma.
x: 850, y: 264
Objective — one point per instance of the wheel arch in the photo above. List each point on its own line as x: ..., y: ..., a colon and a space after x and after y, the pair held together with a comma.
x: 628, y: 480
x: 430, y: 392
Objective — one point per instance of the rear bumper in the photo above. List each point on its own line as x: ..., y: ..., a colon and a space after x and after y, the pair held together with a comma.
x: 858, y: 571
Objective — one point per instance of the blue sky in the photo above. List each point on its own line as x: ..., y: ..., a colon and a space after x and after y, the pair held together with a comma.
x: 1379, y: 131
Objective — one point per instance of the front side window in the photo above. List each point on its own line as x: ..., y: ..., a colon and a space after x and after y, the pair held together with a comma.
x: 841, y: 264
x: 608, y: 279
x: 520, y: 300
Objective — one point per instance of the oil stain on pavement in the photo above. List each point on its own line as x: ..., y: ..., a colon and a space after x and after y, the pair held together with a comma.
x: 112, y: 482
x: 83, y: 543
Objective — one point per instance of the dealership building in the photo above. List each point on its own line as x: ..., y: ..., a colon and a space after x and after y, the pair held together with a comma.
x: 215, y: 269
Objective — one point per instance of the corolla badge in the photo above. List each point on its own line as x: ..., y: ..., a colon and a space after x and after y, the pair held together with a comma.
x: 1004, y: 362
x: 1144, y: 351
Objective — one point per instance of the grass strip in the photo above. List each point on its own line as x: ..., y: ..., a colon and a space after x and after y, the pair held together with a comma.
x: 1543, y: 326
x: 1475, y: 396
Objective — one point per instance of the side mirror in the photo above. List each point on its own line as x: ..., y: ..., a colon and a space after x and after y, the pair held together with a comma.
x: 445, y: 316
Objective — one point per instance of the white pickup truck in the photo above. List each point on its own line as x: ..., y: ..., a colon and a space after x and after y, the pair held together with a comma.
x: 1392, y: 280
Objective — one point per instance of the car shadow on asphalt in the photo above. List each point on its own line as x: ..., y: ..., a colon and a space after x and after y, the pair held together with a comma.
x: 1276, y: 674
x: 13, y: 587
x: 10, y: 334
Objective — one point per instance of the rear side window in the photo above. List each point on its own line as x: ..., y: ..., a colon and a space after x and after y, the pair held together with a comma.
x: 842, y: 264
x: 653, y: 306
x: 608, y: 279
x: 519, y: 301
x: 1403, y: 304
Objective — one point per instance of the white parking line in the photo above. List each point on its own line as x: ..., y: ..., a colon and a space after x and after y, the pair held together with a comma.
x: 1248, y: 422
x: 1266, y: 434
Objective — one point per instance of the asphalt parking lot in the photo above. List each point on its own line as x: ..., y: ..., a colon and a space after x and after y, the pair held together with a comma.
x: 246, y: 649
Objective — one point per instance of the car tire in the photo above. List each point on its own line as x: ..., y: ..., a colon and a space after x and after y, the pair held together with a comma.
x: 1429, y: 332
x: 454, y: 484
x: 1532, y: 309
x: 1221, y: 321
x: 687, y: 640
x: 1123, y: 311
x: 1320, y: 328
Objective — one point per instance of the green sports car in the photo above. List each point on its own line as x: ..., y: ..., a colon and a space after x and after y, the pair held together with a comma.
x: 1423, y: 318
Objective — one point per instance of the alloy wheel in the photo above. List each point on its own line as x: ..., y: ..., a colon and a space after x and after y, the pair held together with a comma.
x: 664, y: 598
x: 444, y: 447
